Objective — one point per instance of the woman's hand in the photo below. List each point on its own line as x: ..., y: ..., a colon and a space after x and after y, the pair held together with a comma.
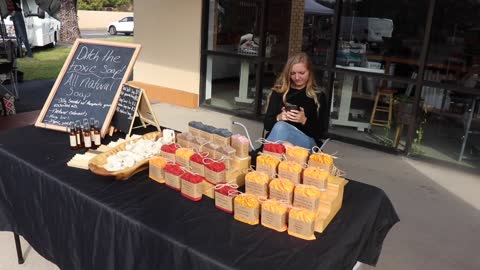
x: 282, y: 116
x: 296, y: 116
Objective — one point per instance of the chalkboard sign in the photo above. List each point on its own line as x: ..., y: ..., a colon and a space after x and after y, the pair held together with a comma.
x: 88, y: 84
x: 126, y: 108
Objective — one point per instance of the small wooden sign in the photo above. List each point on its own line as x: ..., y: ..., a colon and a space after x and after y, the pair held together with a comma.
x: 133, y: 102
x: 88, y: 84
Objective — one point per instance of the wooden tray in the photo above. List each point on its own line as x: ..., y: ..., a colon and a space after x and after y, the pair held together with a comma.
x: 96, y: 164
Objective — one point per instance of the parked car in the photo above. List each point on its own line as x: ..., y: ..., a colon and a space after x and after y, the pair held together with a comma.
x: 124, y: 25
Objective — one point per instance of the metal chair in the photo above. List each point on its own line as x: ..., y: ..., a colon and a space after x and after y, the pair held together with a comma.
x: 468, y: 126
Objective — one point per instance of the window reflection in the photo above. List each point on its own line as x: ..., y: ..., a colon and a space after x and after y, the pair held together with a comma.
x: 230, y: 84
x: 454, y: 55
x: 317, y: 29
x: 382, y: 34
x: 234, y: 26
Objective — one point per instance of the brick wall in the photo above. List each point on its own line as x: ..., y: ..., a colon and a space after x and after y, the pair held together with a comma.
x: 296, y: 27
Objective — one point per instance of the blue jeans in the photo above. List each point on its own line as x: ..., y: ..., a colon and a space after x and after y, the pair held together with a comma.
x: 283, y: 131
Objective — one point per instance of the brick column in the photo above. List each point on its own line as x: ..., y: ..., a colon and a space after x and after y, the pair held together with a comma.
x: 296, y: 27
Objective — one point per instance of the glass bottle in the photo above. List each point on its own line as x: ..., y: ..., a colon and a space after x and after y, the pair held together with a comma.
x: 96, y: 137
x: 92, y: 128
x: 73, y: 137
x: 87, y: 139
x: 78, y: 134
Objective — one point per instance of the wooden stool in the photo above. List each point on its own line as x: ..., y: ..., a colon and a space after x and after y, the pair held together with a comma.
x: 398, y: 134
x: 387, y: 109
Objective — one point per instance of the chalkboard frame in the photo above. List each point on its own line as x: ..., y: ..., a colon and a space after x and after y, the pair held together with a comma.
x: 137, y: 103
x: 106, y: 124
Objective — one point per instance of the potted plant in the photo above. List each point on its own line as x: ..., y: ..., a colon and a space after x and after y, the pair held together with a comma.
x: 403, y: 113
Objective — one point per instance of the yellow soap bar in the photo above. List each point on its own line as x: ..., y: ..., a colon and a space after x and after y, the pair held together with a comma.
x: 246, y: 208
x: 290, y: 166
x: 301, y: 223
x: 274, y: 207
x: 297, y: 151
x: 282, y: 184
x: 257, y: 177
x: 307, y: 191
x: 247, y: 200
x: 316, y: 173
x: 322, y: 158
x: 184, y: 152
x: 267, y: 160
x: 158, y: 161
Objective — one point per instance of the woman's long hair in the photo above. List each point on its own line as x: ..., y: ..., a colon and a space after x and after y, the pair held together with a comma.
x: 282, y: 84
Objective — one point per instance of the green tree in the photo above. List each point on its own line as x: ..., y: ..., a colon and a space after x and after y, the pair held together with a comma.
x: 102, y: 4
x: 90, y: 4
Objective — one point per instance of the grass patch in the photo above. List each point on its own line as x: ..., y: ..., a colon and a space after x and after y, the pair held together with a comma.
x: 125, y: 39
x: 47, y: 62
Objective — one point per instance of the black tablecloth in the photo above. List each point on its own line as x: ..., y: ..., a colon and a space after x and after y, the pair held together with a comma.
x: 82, y: 221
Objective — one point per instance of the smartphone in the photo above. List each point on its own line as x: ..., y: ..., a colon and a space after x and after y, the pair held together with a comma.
x: 289, y: 107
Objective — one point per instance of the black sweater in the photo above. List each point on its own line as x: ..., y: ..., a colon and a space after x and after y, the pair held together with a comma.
x: 317, y: 122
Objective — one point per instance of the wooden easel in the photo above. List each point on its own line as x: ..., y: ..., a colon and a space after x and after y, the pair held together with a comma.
x: 144, y: 111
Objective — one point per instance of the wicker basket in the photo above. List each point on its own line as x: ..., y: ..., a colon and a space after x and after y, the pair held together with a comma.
x: 96, y: 164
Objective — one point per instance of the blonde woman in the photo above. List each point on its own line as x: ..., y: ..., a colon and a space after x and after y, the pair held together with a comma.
x: 297, y: 110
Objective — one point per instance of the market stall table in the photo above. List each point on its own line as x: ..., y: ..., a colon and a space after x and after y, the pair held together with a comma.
x: 79, y: 220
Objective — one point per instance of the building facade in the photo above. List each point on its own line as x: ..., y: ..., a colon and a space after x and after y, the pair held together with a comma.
x: 400, y: 75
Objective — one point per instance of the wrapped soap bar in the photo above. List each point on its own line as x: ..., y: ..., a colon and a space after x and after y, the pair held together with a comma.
x: 226, y: 153
x: 241, y: 145
x: 168, y: 151
x: 290, y: 170
x: 281, y: 189
x: 208, y: 189
x: 316, y: 177
x: 206, y: 132
x: 197, y: 163
x: 274, y: 215
x: 194, y: 128
x: 297, y: 154
x: 224, y: 195
x: 184, y: 139
x: 246, y: 208
x: 212, y: 150
x: 191, y: 187
x: 156, y: 169
x: 242, y: 163
x: 256, y: 183
x: 301, y: 223
x: 267, y: 164
x: 173, y: 172
x: 307, y: 197
x: 236, y: 176
x: 274, y: 149
x: 198, y: 143
x: 321, y: 160
x: 182, y: 156
x: 221, y: 136
x: 214, y: 171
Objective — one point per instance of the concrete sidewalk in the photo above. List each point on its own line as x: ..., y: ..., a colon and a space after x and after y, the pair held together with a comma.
x: 439, y: 213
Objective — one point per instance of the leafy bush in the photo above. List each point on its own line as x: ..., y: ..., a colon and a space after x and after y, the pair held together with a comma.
x: 102, y: 4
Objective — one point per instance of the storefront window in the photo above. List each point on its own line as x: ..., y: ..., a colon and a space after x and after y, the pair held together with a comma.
x: 450, y: 134
x: 317, y: 30
x: 454, y: 54
x: 230, y: 84
x: 234, y: 26
x: 382, y: 33
x: 359, y: 110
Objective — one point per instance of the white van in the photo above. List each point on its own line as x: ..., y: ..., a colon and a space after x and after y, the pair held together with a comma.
x: 42, y: 29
